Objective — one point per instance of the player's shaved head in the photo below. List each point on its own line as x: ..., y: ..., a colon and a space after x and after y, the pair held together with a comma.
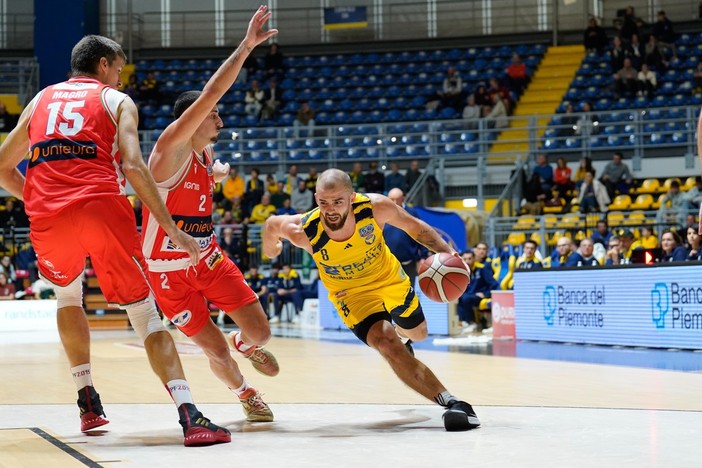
x: 334, y: 179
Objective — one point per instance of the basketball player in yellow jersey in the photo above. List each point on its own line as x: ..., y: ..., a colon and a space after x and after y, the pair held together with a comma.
x: 366, y: 283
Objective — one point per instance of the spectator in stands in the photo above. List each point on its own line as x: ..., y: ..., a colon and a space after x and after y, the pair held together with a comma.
x: 528, y: 260
x: 131, y: 89
x: 286, y: 209
x: 254, y: 190
x: 13, y: 214
x: 497, y: 116
x: 647, y: 82
x: 407, y: 250
x: 395, y: 179
x: 374, y: 181
x: 481, y: 254
x: 545, y: 172
x: 630, y: 24
x: 301, y: 199
x: 232, y: 187
x: 635, y: 52
x: 471, y: 113
x: 278, y: 195
x: 584, y: 167
x: 239, y: 213
x: 7, y: 289
x: 249, y: 68
x: 8, y: 268
x: 273, y: 62
x: 663, y: 31
x: 694, y: 242
x: 311, y: 181
x: 625, y: 80
x: 480, y: 287
x: 495, y: 87
x: 673, y: 251
x: 517, y: 75
x: 272, y: 283
x: 272, y: 100
x: 614, y: 254
x: 563, y: 251
x: 592, y: 195
x: 627, y: 243
x: 289, y: 289
x: 561, y: 177
x: 452, y: 90
x: 7, y: 120
x: 292, y: 180
x: 673, y: 206
x: 150, y: 89
x: 602, y: 233
x: 648, y: 240
x: 690, y: 221
x: 231, y: 246
x: 257, y: 283
x: 482, y: 97
x: 254, y: 100
x: 584, y: 256
x: 617, y: 53
x: 568, y: 122
x: 533, y: 196
x: 588, y: 123
x: 304, y: 118
x: 616, y: 176
x: 595, y: 37
x: 654, y: 57
x: 263, y: 210
x: 412, y: 176
x: 357, y: 177
x: 694, y: 195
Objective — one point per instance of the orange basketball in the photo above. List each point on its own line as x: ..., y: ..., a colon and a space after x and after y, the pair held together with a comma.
x: 443, y: 277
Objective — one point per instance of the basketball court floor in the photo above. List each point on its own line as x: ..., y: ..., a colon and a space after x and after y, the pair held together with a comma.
x: 337, y: 404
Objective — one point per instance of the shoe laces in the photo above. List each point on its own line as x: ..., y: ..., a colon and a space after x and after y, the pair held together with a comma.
x: 256, y: 401
x: 257, y: 355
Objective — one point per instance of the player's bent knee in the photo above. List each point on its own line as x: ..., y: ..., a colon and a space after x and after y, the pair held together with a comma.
x: 70, y: 295
x: 418, y: 333
x: 145, y: 319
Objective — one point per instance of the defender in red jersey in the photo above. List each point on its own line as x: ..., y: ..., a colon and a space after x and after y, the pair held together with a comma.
x: 82, y: 140
x: 182, y: 165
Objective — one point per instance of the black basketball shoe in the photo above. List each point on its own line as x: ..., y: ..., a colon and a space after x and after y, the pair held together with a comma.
x: 198, y: 430
x: 460, y: 416
x: 91, y: 412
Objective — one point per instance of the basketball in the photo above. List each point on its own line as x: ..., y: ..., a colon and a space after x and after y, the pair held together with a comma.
x: 443, y: 277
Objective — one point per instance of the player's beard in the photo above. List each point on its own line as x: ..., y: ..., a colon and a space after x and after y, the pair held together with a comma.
x: 215, y: 138
x: 339, y: 224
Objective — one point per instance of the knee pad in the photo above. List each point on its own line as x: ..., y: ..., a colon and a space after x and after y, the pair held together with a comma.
x: 144, y: 318
x: 70, y: 295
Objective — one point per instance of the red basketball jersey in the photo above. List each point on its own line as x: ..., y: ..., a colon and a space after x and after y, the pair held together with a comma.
x: 188, y: 197
x: 73, y: 145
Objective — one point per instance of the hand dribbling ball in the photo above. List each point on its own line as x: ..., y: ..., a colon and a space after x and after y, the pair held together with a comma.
x: 443, y: 277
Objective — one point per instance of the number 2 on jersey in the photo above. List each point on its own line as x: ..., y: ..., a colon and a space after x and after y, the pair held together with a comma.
x: 73, y: 120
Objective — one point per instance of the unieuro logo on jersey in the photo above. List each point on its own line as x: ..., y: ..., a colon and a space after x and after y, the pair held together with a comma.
x: 61, y: 150
x: 647, y: 305
x: 564, y: 307
x: 676, y: 305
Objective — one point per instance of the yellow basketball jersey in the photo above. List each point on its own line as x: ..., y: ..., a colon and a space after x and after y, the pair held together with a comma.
x: 362, y: 260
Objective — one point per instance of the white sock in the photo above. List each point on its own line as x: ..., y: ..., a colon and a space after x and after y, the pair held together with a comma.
x: 241, y: 389
x: 404, y: 339
x: 180, y: 392
x: 445, y: 398
x: 81, y: 376
x: 239, y: 343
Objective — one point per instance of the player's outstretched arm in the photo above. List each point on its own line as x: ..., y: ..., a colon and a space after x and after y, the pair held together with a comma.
x: 386, y: 211
x: 174, y: 142
x: 141, y: 180
x: 13, y: 149
x: 281, y: 227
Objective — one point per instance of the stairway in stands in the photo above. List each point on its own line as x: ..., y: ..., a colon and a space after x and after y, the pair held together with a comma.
x: 543, y: 95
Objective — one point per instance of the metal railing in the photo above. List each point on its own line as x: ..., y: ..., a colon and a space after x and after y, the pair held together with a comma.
x: 19, y: 76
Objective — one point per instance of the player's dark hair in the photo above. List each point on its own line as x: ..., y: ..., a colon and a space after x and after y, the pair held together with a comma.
x: 184, y: 101
x: 86, y: 54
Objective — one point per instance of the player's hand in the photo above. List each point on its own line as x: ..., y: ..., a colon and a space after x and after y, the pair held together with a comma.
x: 188, y: 244
x: 219, y: 170
x: 255, y: 34
x: 272, y: 251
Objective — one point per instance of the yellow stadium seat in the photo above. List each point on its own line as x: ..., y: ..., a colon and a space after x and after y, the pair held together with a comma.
x: 615, y: 218
x: 553, y: 240
x: 536, y: 237
x: 668, y: 181
x: 555, y: 208
x: 642, y: 202
x: 580, y: 235
x: 620, y: 202
x: 524, y: 222
x: 690, y: 182
x: 569, y: 220
x: 636, y: 218
x: 550, y: 220
x: 592, y: 218
x: 516, y: 238
x: 658, y: 202
x: 649, y: 186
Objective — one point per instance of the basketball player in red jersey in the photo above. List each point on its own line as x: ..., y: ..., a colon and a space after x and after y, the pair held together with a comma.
x: 82, y: 139
x: 185, y: 174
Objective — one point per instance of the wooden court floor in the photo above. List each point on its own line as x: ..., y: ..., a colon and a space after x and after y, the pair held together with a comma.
x: 339, y: 404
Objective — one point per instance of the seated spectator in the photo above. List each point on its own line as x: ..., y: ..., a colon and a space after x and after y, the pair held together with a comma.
x: 272, y: 100
x: 394, y: 179
x: 616, y: 176
x: 374, y: 181
x: 471, y: 113
x: 569, y: 122
x: 694, y: 242
x: 602, y: 234
x: 664, y: 33
x: 673, y: 251
x: 301, y: 200
x: 357, y: 177
x: 273, y: 187
x: 452, y: 89
x: 497, y: 116
x: 149, y: 90
x: 495, y: 87
x: 231, y: 246
x: 286, y: 209
x: 584, y: 167
x: 257, y: 283
x: 517, y: 75
x: 232, y: 187
x: 690, y: 221
x: 694, y: 195
x: 304, y: 118
x: 239, y: 213
x: 254, y: 100
x: 592, y: 195
x: 654, y: 57
x: 311, y: 181
x: 289, y: 290
x: 272, y: 282
x: 292, y: 180
x: 544, y: 171
x: 131, y: 89
x: 278, y: 196
x: 614, y: 254
x: 273, y: 62
x: 647, y: 82
x: 263, y: 210
x: 617, y: 53
x: 481, y: 254
x: 254, y: 190
x: 249, y: 68
x: 563, y: 251
x: 561, y: 177
x: 528, y: 260
x: 595, y: 37
x: 584, y: 256
x: 648, y: 240
x: 635, y: 52
x: 7, y: 289
x: 588, y: 123
x: 673, y: 206
x: 625, y: 80
x: 533, y: 196
x: 7, y: 120
x: 627, y: 244
x: 481, y: 286
x: 8, y: 268
x: 482, y: 97
x: 411, y: 176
